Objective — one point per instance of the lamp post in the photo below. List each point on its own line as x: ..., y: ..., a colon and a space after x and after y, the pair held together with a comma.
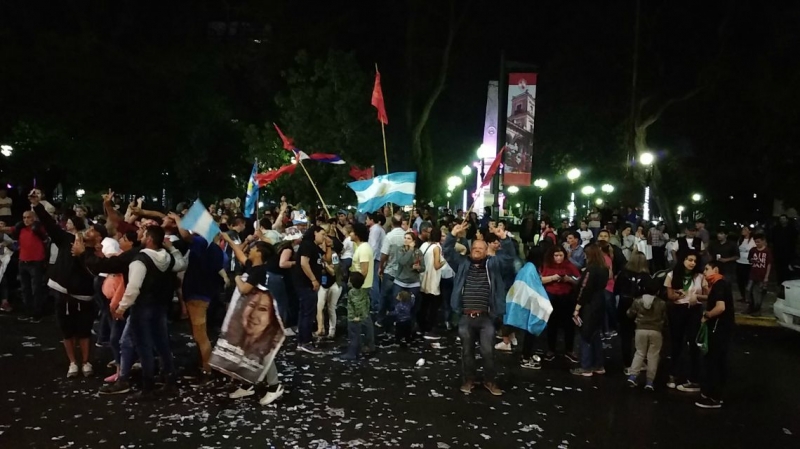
x: 572, y: 175
x: 680, y: 214
x: 696, y: 198
x: 6, y: 150
x: 588, y: 191
x: 466, y: 171
x: 540, y: 184
x: 647, y: 159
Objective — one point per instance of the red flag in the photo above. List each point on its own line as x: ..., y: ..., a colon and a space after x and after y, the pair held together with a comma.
x: 288, y: 142
x: 377, y: 99
x: 487, y: 179
x: 265, y: 178
x: 360, y: 174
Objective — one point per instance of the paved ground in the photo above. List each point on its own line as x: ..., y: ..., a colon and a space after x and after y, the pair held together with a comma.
x: 388, y: 402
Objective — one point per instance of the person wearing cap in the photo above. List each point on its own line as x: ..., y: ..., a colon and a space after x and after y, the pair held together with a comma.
x: 72, y: 283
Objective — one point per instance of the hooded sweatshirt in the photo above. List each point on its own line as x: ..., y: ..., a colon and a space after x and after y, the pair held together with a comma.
x: 161, y: 260
x: 650, y: 313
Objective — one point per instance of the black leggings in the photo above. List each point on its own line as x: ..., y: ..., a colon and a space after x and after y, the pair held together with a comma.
x: 429, y: 311
x: 627, y: 329
x: 561, y: 318
x: 684, y: 323
x: 742, y: 277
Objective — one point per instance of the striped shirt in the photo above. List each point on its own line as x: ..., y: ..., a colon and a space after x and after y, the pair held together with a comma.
x: 477, y: 290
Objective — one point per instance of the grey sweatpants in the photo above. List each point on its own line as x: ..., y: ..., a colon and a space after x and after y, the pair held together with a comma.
x: 648, y: 346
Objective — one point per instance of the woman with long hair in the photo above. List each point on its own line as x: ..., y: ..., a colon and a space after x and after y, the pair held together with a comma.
x: 628, y: 241
x: 686, y: 287
x: 329, y: 291
x: 430, y: 287
x: 746, y: 243
x: 279, y: 267
x: 612, y: 259
x: 409, y: 267
x: 630, y: 284
x: 559, y: 276
x: 589, y: 311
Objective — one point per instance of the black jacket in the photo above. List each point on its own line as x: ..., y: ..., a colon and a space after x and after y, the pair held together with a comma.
x: 111, y: 265
x: 68, y: 272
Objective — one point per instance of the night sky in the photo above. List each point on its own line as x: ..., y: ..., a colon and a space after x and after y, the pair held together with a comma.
x: 741, y: 57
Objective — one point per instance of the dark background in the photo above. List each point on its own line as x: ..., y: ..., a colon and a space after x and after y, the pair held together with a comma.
x: 144, y: 95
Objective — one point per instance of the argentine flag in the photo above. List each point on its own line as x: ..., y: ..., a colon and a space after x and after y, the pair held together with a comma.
x: 397, y: 188
x: 199, y: 221
x: 251, y: 196
x: 527, y: 304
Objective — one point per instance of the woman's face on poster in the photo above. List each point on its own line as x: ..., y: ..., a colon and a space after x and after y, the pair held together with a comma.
x: 257, y: 314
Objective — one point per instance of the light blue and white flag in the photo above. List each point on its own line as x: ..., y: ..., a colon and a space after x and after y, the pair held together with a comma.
x: 527, y: 304
x: 199, y: 221
x: 251, y: 198
x: 396, y: 188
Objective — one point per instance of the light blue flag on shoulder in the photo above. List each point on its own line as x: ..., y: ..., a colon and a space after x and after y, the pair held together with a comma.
x: 251, y: 198
x: 199, y: 221
x: 396, y: 188
x: 527, y: 304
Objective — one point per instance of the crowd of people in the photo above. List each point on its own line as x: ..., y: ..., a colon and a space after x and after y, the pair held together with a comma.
x: 129, y: 271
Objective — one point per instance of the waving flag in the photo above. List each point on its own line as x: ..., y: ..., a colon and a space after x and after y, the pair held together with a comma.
x: 487, y: 179
x: 397, y: 188
x: 320, y: 157
x: 377, y: 98
x: 288, y: 143
x: 265, y: 178
x: 360, y: 174
x: 199, y: 221
x: 527, y: 304
x: 251, y: 198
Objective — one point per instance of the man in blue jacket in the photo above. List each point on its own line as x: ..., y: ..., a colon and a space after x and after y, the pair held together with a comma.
x: 479, y: 295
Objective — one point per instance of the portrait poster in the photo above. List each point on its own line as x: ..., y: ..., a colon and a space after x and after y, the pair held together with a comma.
x: 252, y: 334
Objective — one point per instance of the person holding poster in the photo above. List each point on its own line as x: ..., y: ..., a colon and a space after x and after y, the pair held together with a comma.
x: 252, y: 332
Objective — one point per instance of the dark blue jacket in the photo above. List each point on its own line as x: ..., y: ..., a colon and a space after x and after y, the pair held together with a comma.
x: 495, y: 267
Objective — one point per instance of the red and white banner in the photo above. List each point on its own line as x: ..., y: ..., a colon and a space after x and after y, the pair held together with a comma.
x: 520, y: 112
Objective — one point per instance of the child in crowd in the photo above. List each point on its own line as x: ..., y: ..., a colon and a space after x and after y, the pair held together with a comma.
x: 650, y: 313
x: 402, y: 313
x: 358, y: 317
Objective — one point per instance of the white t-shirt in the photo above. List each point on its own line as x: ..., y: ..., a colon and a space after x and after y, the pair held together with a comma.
x: 670, y: 247
x: 5, y: 208
x: 347, y: 248
x: 432, y: 277
x: 698, y: 284
x: 586, y: 237
x: 744, y: 251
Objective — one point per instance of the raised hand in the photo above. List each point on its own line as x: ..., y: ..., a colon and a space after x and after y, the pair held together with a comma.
x: 78, y: 247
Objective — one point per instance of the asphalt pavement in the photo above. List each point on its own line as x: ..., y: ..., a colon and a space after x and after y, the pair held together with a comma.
x: 387, y: 401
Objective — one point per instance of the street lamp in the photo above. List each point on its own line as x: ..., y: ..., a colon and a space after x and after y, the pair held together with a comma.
x: 697, y: 197
x: 513, y: 190
x: 6, y: 150
x: 541, y: 184
x: 607, y: 188
x: 572, y: 175
x: 598, y: 201
x: 680, y: 213
x: 79, y: 193
x: 646, y: 159
x: 588, y: 191
x: 466, y: 171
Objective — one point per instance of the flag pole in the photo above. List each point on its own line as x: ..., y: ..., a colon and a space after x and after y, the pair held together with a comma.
x: 385, y: 153
x: 300, y: 161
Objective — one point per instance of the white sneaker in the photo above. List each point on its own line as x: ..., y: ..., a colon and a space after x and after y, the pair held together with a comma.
x: 242, y: 393
x: 87, y: 370
x: 289, y: 332
x: 272, y: 396
x: 513, y: 339
x: 73, y: 370
x: 136, y: 366
x: 503, y: 346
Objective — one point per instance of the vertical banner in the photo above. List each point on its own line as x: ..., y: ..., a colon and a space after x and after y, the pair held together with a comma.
x: 488, y: 149
x: 520, y: 111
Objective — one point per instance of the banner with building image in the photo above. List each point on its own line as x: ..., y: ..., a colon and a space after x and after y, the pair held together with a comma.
x: 520, y: 111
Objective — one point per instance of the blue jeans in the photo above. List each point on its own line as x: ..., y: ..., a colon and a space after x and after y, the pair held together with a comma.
x: 354, y: 329
x: 396, y: 289
x: 148, y: 327
x: 592, y: 352
x: 115, y: 340
x: 277, y: 287
x: 375, y: 291
x: 480, y: 328
x: 308, y: 310
x: 388, y: 295
x: 34, y: 287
